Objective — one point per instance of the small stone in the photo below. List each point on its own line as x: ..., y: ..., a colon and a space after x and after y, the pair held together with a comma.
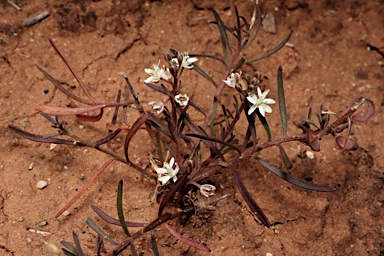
x: 290, y: 45
x: 269, y: 23
x: 30, y: 167
x: 268, y: 254
x: 25, y: 122
x: 41, y: 184
x: 81, y: 127
x: 66, y: 213
x: 42, y: 223
x: 52, y: 146
x: 310, y: 154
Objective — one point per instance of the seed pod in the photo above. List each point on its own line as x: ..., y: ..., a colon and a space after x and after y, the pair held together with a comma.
x: 346, y: 143
x: 364, y: 109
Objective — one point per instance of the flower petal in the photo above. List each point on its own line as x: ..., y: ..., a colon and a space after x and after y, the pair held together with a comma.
x: 172, y: 162
x: 264, y: 94
x: 161, y: 170
x: 164, y: 180
x: 269, y: 101
x: 262, y: 110
x: 252, y: 109
x: 252, y: 98
x: 266, y: 108
x: 259, y: 92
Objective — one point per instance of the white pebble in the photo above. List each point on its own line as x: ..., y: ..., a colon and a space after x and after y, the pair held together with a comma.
x: 66, y: 213
x: 42, y: 223
x: 310, y: 154
x: 81, y: 127
x: 52, y: 146
x: 41, y: 184
x: 30, y: 167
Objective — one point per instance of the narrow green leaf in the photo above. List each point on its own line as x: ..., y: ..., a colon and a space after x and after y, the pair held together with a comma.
x: 70, y: 247
x: 214, y: 140
x: 99, y: 231
x: 155, y: 249
x: 68, y: 253
x: 42, y: 139
x: 213, y: 116
x: 203, y: 74
x: 240, y: 63
x: 280, y: 91
x: 308, y: 121
x: 265, y: 124
x: 269, y: 53
x: 208, y: 56
x: 255, y: 208
x: 77, y: 243
x: 291, y: 179
x: 287, y: 162
x: 119, y: 203
x: 223, y: 35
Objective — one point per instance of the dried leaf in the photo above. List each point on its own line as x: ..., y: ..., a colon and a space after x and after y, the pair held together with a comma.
x: 186, y: 240
x: 60, y: 111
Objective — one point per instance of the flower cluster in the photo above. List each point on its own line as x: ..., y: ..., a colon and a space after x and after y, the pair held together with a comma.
x: 258, y: 102
x: 157, y: 73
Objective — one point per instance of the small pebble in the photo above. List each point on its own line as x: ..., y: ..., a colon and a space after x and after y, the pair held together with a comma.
x: 52, y: 146
x: 66, y: 213
x: 290, y: 45
x: 268, y: 254
x: 42, y: 223
x: 30, y: 167
x: 25, y: 122
x: 310, y: 154
x: 81, y: 127
x: 41, y: 184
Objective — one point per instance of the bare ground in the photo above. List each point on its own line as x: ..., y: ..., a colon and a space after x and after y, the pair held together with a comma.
x: 328, y: 64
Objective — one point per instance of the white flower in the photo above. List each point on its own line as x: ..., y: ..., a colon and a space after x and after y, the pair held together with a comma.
x: 260, y: 102
x: 187, y: 61
x: 167, y: 75
x: 233, y: 79
x: 182, y: 99
x: 167, y: 172
x: 157, y: 73
x: 157, y: 106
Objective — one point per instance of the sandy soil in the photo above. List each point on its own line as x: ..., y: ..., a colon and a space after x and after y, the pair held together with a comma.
x: 327, y: 63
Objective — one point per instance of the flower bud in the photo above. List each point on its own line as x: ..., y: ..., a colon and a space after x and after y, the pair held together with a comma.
x: 207, y: 190
x: 168, y: 57
x: 364, y: 109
